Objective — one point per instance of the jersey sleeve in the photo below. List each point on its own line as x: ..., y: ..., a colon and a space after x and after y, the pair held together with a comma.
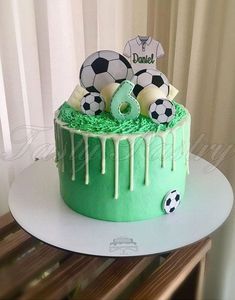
x: 160, y: 51
x: 127, y: 50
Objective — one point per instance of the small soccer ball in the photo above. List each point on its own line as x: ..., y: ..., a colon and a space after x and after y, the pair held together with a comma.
x: 171, y: 201
x: 150, y: 77
x: 102, y: 68
x: 162, y: 111
x: 92, y: 104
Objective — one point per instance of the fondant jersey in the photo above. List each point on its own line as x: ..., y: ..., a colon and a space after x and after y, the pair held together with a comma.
x: 142, y: 52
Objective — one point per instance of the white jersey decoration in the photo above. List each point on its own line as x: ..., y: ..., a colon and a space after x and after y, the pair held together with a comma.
x: 142, y: 52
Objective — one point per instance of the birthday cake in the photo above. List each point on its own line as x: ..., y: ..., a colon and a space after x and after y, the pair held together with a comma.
x: 122, y: 142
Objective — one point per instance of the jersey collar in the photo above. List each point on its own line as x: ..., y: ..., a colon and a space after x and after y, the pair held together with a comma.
x: 139, y: 42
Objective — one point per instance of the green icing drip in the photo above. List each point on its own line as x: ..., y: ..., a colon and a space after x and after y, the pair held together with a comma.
x: 105, y: 123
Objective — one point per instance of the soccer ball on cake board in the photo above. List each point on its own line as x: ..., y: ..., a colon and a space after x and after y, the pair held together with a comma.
x: 171, y: 201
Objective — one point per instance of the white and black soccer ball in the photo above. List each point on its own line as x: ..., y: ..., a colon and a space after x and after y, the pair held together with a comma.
x: 150, y: 77
x: 171, y: 201
x: 162, y: 111
x: 92, y: 104
x: 102, y: 68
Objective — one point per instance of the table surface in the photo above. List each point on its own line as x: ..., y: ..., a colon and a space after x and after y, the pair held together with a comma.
x: 30, y: 269
x: 36, y: 205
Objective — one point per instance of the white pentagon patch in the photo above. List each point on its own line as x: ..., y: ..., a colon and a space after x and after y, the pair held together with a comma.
x: 94, y: 106
x: 144, y: 79
x: 89, y: 99
x: 165, y: 89
x: 102, y: 79
x: 161, y: 109
x: 102, y: 105
x: 162, y: 118
x: 87, y: 77
x: 130, y: 74
x: 154, y: 72
x: 117, y: 69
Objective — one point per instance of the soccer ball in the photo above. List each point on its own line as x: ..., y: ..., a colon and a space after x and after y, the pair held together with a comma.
x: 171, y: 201
x: 92, y: 104
x: 102, y: 68
x: 162, y: 111
x: 150, y: 77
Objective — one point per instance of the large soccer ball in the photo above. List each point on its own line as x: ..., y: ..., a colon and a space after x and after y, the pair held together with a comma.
x: 171, y: 201
x: 162, y: 111
x: 150, y: 77
x: 102, y: 68
x: 92, y: 104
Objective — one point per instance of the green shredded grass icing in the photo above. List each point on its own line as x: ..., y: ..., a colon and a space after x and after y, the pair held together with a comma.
x: 105, y: 123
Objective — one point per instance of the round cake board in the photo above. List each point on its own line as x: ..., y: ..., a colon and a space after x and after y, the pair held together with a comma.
x: 35, y: 203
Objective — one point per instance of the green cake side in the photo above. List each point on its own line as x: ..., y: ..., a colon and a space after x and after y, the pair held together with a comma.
x: 120, y: 175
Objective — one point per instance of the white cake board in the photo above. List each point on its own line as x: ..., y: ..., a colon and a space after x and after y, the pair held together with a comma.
x: 35, y: 203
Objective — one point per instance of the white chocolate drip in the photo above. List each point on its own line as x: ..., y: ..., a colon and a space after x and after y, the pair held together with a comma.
x: 132, y: 154
x: 58, y: 146
x: 103, y: 160
x: 56, y: 126
x: 72, y: 155
x: 173, y: 151
x: 184, y: 126
x: 116, y: 183
x: 86, y: 159
x: 188, y: 162
x: 187, y: 157
x: 147, y: 141
x: 163, y: 139
x: 188, y: 148
x: 62, y: 149
x: 183, y: 141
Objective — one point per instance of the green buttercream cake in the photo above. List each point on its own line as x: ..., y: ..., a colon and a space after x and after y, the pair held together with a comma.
x: 120, y: 171
x: 122, y: 143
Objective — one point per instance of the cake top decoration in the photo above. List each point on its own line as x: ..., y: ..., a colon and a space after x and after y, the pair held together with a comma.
x: 143, y: 52
x: 110, y: 84
x: 105, y: 123
x: 102, y: 68
x: 150, y: 77
x: 123, y: 105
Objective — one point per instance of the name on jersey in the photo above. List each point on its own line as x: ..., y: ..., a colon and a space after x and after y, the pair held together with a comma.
x: 143, y: 59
